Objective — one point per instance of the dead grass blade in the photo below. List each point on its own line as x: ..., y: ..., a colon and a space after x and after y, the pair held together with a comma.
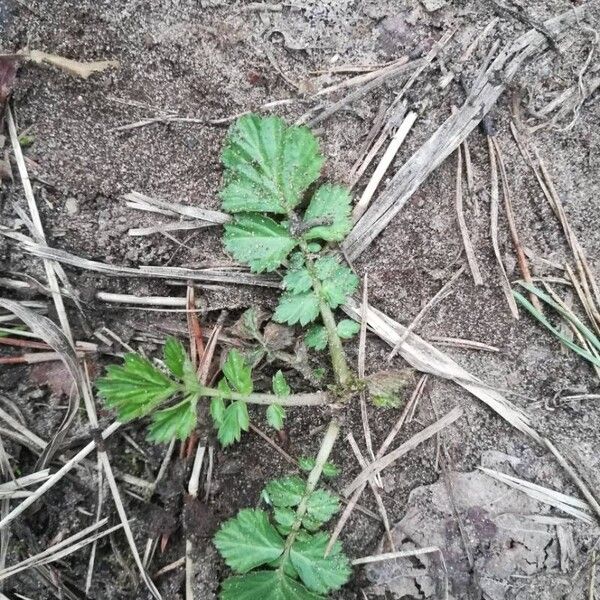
x: 462, y: 224
x: 140, y: 201
x: 411, y: 444
x: 231, y: 276
x: 494, y: 206
x: 58, y: 551
x: 365, y: 560
x: 451, y: 133
x: 57, y: 340
x: 37, y: 224
x: 426, y: 358
x: 72, y: 67
x: 568, y: 504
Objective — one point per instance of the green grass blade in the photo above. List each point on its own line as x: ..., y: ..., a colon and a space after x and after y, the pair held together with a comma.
x: 585, y: 331
x: 542, y: 319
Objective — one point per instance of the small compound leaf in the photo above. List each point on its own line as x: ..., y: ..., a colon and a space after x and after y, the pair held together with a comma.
x: 217, y: 410
x: 238, y: 373
x: 347, y: 328
x: 258, y: 241
x: 135, y: 388
x: 319, y: 573
x: 265, y: 585
x: 235, y: 420
x: 248, y: 541
x: 322, y: 505
x: 337, y: 281
x: 308, y: 464
x: 285, y: 492
x: 284, y: 517
x: 387, y: 388
x: 174, y: 356
x: 316, y: 337
x: 331, y: 207
x: 175, y: 422
x: 297, y: 281
x: 275, y: 416
x: 280, y: 385
x: 268, y: 165
x: 300, y: 308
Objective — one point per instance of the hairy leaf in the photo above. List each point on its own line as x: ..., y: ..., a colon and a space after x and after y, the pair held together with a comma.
x: 174, y: 356
x: 135, y: 388
x: 280, y: 385
x: 235, y: 420
x: 175, y: 422
x: 237, y: 372
x: 300, y: 308
x: 308, y: 464
x: 268, y: 165
x: 331, y: 206
x: 265, y: 585
x: 284, y: 517
x: 316, y: 337
x: 258, y: 241
x: 347, y: 328
x: 322, y: 505
x: 297, y: 280
x: 286, y: 491
x: 248, y: 541
x: 217, y: 410
x: 275, y: 416
x: 337, y: 281
x: 318, y: 573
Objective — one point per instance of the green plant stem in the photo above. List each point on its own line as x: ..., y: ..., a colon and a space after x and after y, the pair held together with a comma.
x: 343, y: 375
x: 336, y: 350
x: 311, y: 483
x: 313, y: 399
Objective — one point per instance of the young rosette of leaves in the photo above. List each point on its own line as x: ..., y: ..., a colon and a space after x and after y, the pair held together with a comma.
x: 137, y: 388
x: 269, y: 167
x: 291, y: 569
x: 232, y: 418
x: 328, y: 281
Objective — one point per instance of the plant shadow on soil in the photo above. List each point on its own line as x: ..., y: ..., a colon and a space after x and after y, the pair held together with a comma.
x: 211, y: 60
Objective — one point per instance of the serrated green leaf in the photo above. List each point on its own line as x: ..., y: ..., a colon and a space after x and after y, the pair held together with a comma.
x: 268, y: 165
x: 297, y: 308
x: 308, y: 464
x: 337, y: 281
x: 284, y: 517
x: 175, y: 422
x: 347, y: 328
x: 322, y: 505
x: 280, y: 385
x: 285, y: 492
x: 174, y: 355
x: 248, y: 541
x: 319, y: 573
x: 265, y: 585
x: 314, y: 247
x: 275, y: 416
x: 258, y: 241
x: 330, y: 203
x: 316, y: 337
x: 135, y: 388
x: 237, y: 372
x: 297, y: 281
x: 235, y: 420
x: 217, y: 410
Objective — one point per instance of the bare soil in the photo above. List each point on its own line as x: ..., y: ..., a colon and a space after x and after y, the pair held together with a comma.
x: 215, y: 59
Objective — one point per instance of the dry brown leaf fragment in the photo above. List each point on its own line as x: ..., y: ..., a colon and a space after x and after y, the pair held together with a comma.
x: 8, y: 73
x: 72, y: 67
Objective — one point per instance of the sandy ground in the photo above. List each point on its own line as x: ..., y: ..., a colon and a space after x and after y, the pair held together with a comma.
x: 211, y: 60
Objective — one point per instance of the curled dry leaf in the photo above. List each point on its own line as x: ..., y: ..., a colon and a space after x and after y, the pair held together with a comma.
x: 72, y: 67
x: 387, y: 388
